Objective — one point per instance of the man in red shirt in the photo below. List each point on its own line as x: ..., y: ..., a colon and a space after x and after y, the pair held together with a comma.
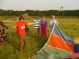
x: 21, y: 31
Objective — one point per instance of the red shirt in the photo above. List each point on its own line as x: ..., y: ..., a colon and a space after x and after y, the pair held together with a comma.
x: 21, y: 27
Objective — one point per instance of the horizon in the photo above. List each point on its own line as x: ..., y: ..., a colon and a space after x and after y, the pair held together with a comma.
x: 38, y: 10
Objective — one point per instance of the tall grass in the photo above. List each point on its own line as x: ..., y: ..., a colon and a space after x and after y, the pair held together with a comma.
x: 11, y: 50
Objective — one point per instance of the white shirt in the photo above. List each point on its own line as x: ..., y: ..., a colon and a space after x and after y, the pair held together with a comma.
x: 53, y: 21
x: 37, y: 23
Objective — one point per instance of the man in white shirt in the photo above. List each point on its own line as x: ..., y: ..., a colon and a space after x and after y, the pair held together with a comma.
x: 52, y: 21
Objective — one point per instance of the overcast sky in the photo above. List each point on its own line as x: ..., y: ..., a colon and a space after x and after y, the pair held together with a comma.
x: 39, y: 4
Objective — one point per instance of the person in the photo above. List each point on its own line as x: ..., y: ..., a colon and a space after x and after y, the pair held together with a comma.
x: 52, y: 21
x: 43, y: 27
x: 21, y: 25
x: 37, y: 26
x: 3, y: 35
x: 21, y: 31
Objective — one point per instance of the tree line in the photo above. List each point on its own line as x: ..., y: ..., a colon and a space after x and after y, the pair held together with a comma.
x: 40, y: 13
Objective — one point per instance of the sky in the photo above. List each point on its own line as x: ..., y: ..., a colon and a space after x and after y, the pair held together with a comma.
x: 39, y: 4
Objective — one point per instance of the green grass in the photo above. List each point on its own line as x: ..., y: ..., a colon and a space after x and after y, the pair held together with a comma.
x: 70, y: 27
x: 10, y: 51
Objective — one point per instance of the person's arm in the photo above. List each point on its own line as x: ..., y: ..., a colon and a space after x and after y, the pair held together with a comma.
x: 31, y: 23
x: 56, y: 22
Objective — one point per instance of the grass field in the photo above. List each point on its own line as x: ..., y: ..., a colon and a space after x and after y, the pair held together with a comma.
x: 69, y: 26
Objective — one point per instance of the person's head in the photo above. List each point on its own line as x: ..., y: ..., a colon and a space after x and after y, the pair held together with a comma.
x: 53, y: 17
x: 36, y: 17
x: 44, y: 18
x: 21, y: 18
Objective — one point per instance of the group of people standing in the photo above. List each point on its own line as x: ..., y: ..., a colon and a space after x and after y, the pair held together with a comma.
x: 40, y: 28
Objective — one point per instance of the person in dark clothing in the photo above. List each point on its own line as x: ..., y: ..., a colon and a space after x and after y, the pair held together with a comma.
x: 3, y: 35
